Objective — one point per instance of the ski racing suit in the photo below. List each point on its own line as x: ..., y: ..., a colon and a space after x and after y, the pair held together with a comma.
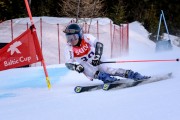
x: 85, y: 53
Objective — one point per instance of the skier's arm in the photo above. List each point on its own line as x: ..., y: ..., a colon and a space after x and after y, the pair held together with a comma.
x: 99, y: 49
x: 98, y: 54
x: 70, y: 64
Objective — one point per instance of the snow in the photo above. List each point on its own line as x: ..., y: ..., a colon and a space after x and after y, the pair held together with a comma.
x: 24, y: 94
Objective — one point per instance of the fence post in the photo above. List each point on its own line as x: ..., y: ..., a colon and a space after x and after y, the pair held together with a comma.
x: 12, y: 30
x: 27, y: 25
x: 85, y: 27
x: 41, y: 36
x: 111, y: 37
x: 89, y: 28
x: 58, y: 43
x: 113, y: 40
x: 127, y: 43
x: 121, y: 40
x: 98, y: 30
x: 41, y: 32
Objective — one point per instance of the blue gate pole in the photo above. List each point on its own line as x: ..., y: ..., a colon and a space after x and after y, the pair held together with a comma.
x: 165, y: 24
x: 159, y: 27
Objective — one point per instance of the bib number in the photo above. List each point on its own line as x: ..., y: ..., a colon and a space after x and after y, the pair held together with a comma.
x: 88, y: 56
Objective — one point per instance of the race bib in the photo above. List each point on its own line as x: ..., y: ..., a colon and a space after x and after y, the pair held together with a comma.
x: 82, y: 50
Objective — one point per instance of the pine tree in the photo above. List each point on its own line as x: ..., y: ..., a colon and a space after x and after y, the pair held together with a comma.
x: 117, y: 13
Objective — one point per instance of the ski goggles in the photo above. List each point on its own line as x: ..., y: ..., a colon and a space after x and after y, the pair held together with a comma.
x: 72, y: 37
x: 71, y: 31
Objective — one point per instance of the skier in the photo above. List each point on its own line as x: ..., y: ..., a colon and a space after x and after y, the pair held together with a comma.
x: 84, y: 54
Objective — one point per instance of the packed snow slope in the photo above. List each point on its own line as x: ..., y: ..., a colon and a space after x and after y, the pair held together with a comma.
x: 24, y: 94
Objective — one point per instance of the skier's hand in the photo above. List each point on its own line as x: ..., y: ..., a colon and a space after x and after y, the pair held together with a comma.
x: 96, y: 60
x: 79, y: 68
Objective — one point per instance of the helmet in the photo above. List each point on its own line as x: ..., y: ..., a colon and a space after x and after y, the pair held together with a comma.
x: 73, y: 33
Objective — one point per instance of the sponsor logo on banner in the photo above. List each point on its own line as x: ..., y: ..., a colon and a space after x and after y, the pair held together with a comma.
x: 13, y: 49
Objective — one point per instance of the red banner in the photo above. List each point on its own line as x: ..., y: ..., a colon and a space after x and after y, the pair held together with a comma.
x: 23, y: 50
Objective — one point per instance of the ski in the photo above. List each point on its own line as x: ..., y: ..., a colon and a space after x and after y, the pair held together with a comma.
x: 119, y: 85
x: 123, y: 83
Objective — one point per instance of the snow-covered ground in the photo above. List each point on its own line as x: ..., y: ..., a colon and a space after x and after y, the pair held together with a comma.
x: 24, y: 94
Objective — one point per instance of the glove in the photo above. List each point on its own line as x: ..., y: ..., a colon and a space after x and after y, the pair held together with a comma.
x: 79, y: 68
x: 135, y: 75
x: 96, y: 60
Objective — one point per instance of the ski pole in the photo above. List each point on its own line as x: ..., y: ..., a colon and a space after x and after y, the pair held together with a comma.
x: 124, y: 61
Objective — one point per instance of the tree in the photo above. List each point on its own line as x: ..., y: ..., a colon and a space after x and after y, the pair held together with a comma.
x: 116, y: 11
x: 10, y: 9
x: 150, y: 19
x: 41, y: 7
x: 81, y: 8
